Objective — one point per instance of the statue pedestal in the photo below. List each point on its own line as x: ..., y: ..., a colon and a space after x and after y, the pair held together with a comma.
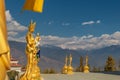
x: 86, y: 69
x: 70, y: 70
x: 64, y: 71
x: 34, y: 75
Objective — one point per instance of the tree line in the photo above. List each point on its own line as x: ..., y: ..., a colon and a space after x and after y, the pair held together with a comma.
x: 110, y: 65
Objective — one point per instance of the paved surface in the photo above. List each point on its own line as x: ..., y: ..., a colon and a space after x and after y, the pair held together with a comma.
x: 81, y: 76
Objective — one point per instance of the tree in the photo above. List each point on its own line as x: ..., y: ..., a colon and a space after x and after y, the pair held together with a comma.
x: 89, y: 67
x: 46, y: 71
x: 95, y: 69
x: 99, y: 69
x: 52, y: 71
x: 49, y: 71
x: 119, y: 65
x: 80, y: 68
x: 110, y: 64
x: 77, y: 69
x: 81, y: 64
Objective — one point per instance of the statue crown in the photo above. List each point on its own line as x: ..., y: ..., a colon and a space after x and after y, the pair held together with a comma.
x: 32, y: 25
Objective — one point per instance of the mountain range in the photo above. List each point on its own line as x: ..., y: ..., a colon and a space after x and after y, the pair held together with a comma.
x: 54, y: 57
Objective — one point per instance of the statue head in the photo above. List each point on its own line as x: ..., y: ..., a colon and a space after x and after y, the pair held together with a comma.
x: 32, y: 26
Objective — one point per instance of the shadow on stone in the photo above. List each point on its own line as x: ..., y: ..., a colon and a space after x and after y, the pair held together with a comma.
x: 109, y: 72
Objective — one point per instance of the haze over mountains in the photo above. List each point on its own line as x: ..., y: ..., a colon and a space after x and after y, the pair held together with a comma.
x: 53, y: 57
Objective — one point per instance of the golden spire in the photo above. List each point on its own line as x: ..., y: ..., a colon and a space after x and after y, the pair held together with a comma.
x: 86, y: 60
x: 86, y: 67
x: 64, y: 69
x: 70, y: 58
x: 66, y: 60
x: 70, y: 68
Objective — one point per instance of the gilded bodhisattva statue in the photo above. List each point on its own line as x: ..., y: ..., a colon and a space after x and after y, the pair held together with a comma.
x: 32, y: 53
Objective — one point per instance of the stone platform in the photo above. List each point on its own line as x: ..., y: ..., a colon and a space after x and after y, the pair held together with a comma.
x: 81, y: 76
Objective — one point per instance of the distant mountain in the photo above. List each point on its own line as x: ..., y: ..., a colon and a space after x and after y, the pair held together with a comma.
x: 53, y: 57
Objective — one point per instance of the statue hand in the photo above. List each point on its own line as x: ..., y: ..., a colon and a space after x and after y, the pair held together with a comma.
x: 6, y: 60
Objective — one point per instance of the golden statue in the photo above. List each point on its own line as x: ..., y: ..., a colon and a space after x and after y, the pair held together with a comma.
x: 66, y: 60
x: 64, y: 70
x: 86, y: 60
x: 86, y: 67
x: 32, y: 49
x: 70, y: 60
x: 70, y: 68
x: 4, y: 47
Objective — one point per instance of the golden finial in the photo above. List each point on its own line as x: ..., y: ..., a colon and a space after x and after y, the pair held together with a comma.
x: 66, y: 60
x: 65, y: 67
x: 86, y: 60
x: 70, y: 68
x: 86, y: 67
x: 70, y: 57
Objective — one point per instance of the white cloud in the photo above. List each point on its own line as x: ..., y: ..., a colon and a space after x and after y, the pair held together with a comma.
x: 50, y: 22
x: 116, y: 35
x: 91, y: 22
x: 14, y: 28
x: 13, y: 25
x: 20, y: 39
x: 88, y: 23
x: 65, y: 24
x: 12, y: 33
x: 84, y: 42
x: 98, y: 21
x: 8, y: 15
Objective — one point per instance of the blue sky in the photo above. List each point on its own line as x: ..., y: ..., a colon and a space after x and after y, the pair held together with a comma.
x: 69, y: 18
